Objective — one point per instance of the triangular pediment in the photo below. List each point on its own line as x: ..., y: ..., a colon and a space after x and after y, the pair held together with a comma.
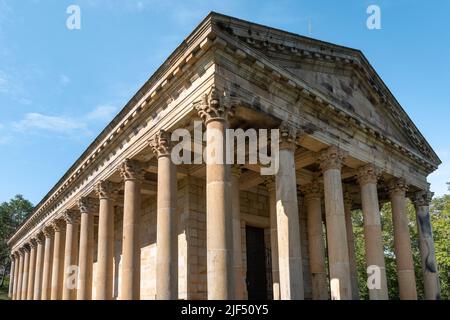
x: 340, y: 73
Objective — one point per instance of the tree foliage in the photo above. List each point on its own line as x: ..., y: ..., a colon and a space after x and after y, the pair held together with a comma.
x: 12, y: 214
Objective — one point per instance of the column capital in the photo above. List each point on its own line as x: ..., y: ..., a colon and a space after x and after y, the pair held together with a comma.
x: 33, y: 243
x: 332, y: 158
x: 313, y: 190
x: 39, y: 238
x: 58, y: 225
x: 131, y: 170
x: 288, y: 136
x: 87, y: 205
x: 422, y: 198
x: 26, y: 247
x: 71, y: 216
x: 161, y: 143
x: 21, y: 251
x: 47, y: 231
x: 106, y: 189
x: 213, y: 107
x: 397, y: 186
x: 368, y: 174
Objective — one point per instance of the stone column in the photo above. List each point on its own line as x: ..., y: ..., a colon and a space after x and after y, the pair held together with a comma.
x: 426, y: 245
x: 58, y: 259
x: 26, y: 267
x: 402, y: 241
x: 373, y: 242
x: 72, y: 219
x: 86, y: 251
x: 20, y: 275
x: 316, y: 246
x: 289, y: 255
x: 16, y: 275
x: 11, y: 276
x: 219, y: 219
x: 37, y: 289
x: 166, y: 227
x: 32, y: 269
x: 48, y: 259
x: 271, y: 189
x: 331, y: 161
x: 131, y: 172
x: 104, y: 273
x: 351, y: 245
x: 239, y: 277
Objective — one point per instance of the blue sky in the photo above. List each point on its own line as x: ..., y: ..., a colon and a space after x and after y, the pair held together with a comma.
x: 60, y: 87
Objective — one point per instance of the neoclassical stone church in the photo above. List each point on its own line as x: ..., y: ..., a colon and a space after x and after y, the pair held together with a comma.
x: 126, y: 222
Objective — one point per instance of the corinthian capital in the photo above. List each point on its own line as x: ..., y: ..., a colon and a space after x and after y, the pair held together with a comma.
x: 368, y: 174
x: 58, y: 225
x: 161, y: 143
x: 213, y: 106
x: 47, y: 231
x: 332, y: 158
x: 288, y: 135
x: 397, y: 186
x: 269, y: 182
x: 312, y: 190
x: 422, y: 198
x: 71, y: 216
x: 106, y: 189
x: 87, y: 205
x: 131, y: 170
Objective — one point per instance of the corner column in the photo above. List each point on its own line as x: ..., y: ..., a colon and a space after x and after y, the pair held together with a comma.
x: 12, y: 276
x: 166, y: 226
x: 351, y: 245
x: 367, y: 179
x: 72, y: 219
x: 316, y: 246
x: 402, y: 241
x: 86, y: 252
x: 47, y: 269
x: 37, y: 289
x: 331, y: 161
x: 219, y: 218
x: 31, y: 269
x: 132, y: 173
x: 289, y: 255
x: 426, y: 245
x: 104, y: 273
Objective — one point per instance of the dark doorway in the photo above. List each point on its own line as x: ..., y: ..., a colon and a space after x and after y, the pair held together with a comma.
x: 256, y: 264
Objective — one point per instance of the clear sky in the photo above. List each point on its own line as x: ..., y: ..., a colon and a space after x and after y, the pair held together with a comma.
x: 60, y: 87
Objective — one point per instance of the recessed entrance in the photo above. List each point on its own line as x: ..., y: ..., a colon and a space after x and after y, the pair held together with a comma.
x: 256, y: 264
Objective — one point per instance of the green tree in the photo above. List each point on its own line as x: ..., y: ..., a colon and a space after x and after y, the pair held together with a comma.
x: 12, y: 214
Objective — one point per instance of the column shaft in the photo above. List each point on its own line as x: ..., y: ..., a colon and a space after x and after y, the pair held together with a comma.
x: 426, y: 245
x: 289, y: 255
x: 20, y: 275
x: 47, y: 269
x: 37, y: 290
x: 32, y: 270
x: 402, y: 241
x: 16, y: 276
x: 131, y: 251
x: 26, y: 267
x: 58, y: 260
x: 272, y: 203
x: 11, y: 277
x: 331, y: 163
x: 351, y: 246
x: 166, y: 227
x: 105, y: 252
x: 316, y: 246
x: 86, y: 252
x: 71, y: 255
